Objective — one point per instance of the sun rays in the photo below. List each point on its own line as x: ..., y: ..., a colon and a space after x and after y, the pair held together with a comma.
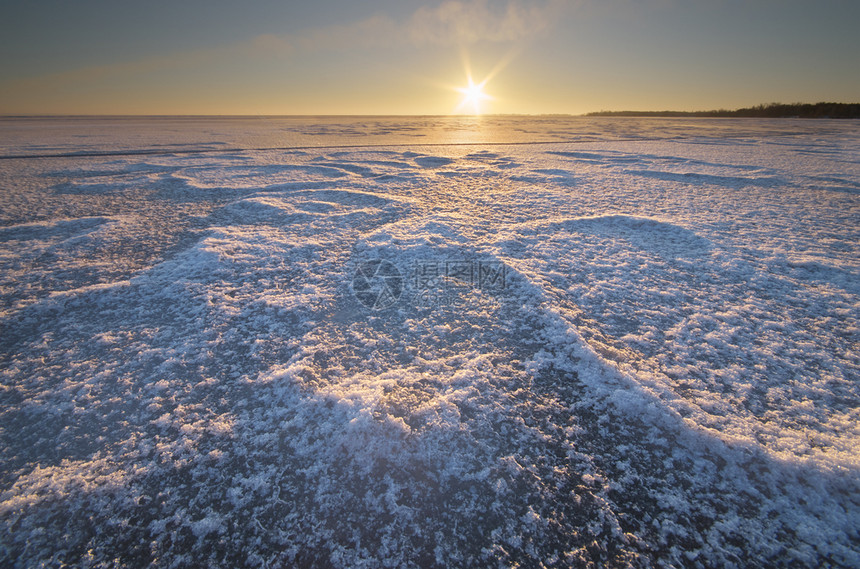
x: 473, y: 97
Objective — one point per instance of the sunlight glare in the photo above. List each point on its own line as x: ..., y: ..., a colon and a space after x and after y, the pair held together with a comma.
x: 473, y: 96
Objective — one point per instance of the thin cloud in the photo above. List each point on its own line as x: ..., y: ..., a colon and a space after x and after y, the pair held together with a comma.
x: 450, y: 23
x: 454, y: 22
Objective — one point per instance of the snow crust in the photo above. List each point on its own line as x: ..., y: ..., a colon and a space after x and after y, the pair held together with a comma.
x: 634, y: 344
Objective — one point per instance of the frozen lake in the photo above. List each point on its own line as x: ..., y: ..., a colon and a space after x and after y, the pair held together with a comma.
x: 429, y: 341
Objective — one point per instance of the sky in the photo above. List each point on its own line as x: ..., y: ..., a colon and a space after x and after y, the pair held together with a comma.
x: 384, y: 57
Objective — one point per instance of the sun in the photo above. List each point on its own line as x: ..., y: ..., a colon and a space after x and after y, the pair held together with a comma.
x: 473, y: 97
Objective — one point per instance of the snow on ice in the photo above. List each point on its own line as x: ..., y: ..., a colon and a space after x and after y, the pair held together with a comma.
x: 499, y: 342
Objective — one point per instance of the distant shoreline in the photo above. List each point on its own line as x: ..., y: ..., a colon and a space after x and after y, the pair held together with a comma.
x: 772, y: 110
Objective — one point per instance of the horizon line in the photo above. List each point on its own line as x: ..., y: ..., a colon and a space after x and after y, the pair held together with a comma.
x: 588, y: 114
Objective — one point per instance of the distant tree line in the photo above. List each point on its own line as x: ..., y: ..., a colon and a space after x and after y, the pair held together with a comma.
x: 770, y: 110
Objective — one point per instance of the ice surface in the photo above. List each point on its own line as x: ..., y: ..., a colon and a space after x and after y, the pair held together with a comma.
x: 398, y: 342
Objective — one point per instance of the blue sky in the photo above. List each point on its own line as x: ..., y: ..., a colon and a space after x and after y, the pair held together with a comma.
x: 407, y: 57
